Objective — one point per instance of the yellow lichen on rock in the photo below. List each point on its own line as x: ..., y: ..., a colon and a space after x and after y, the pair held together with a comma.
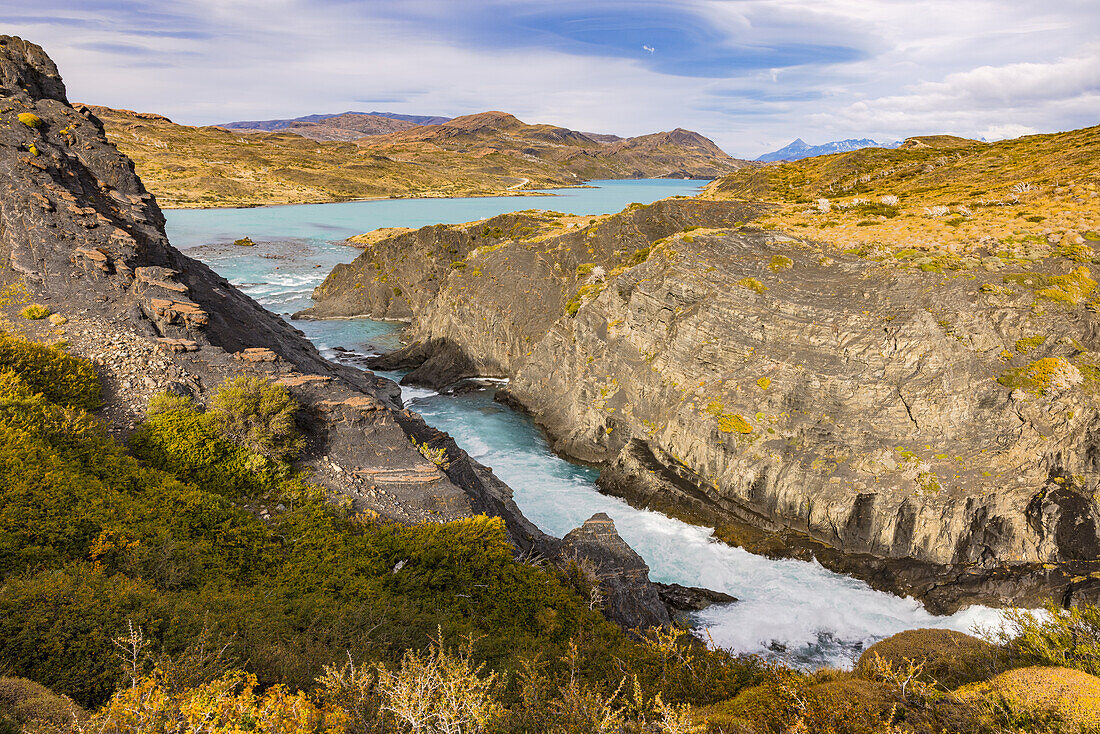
x: 1043, y: 375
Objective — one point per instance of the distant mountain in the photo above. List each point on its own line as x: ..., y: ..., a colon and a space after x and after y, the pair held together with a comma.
x: 339, y: 125
x: 357, y: 155
x: 799, y: 149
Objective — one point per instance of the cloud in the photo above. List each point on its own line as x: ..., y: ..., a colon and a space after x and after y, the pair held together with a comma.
x: 994, y: 101
x: 751, y: 74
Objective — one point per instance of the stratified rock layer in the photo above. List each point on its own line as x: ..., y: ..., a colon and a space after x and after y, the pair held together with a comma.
x: 803, y: 402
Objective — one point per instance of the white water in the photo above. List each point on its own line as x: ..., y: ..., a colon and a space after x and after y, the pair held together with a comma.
x: 792, y: 610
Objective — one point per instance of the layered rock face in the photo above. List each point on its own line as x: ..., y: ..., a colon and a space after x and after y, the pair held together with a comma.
x: 935, y: 435
x: 79, y: 233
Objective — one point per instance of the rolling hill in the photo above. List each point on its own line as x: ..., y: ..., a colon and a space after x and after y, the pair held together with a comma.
x: 490, y: 153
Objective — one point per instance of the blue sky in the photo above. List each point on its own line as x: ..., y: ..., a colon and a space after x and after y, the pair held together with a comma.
x: 751, y: 74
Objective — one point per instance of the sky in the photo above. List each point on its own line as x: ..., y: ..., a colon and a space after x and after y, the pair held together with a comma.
x: 750, y: 74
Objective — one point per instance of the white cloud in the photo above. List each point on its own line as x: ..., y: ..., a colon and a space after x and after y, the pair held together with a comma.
x: 988, y: 68
x: 993, y: 101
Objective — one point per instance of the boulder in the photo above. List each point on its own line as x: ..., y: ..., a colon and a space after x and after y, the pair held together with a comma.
x: 629, y: 598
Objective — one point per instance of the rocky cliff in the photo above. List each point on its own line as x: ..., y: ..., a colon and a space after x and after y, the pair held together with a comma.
x: 936, y: 434
x: 80, y: 234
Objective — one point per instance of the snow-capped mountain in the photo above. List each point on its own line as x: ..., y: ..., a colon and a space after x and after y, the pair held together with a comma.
x: 800, y: 149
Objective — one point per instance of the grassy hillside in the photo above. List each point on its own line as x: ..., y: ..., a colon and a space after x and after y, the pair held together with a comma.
x: 488, y: 154
x: 937, y: 193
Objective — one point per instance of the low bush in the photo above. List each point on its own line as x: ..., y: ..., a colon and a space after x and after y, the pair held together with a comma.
x: 1055, y: 637
x: 1045, y: 700
x: 30, y: 119
x: 260, y: 416
x: 35, y: 311
x: 24, y: 705
x: 50, y: 370
x: 946, y: 657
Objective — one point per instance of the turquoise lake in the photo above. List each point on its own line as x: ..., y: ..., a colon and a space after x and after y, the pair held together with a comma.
x: 791, y: 610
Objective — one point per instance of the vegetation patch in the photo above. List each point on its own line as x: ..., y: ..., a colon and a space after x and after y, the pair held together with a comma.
x: 1025, y: 345
x: 35, y: 311
x: 30, y: 119
x: 1042, y: 376
x: 779, y: 262
x: 727, y: 422
x: 752, y: 284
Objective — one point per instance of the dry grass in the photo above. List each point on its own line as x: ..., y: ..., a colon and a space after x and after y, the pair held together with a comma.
x: 947, y: 195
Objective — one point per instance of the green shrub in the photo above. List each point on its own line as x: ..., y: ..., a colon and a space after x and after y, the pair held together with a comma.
x: 259, y: 415
x: 780, y: 262
x: 1025, y: 345
x: 752, y: 284
x: 167, y: 402
x: 1056, y: 637
x: 193, y: 446
x: 62, y: 378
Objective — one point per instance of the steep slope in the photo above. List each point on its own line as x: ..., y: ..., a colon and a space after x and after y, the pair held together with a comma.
x: 929, y: 424
x: 80, y: 234
x: 491, y: 153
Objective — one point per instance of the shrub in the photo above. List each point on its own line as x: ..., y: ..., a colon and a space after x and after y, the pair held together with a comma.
x: 57, y: 627
x: 24, y: 703
x: 259, y: 415
x: 946, y: 657
x: 30, y: 119
x: 228, y: 704
x: 62, y: 378
x: 1025, y: 345
x: 167, y: 402
x: 780, y: 262
x: 769, y: 708
x: 35, y: 311
x: 193, y: 446
x: 440, y: 690
x: 1039, y: 699
x: 849, y: 705
x: 1055, y: 637
x: 1043, y: 376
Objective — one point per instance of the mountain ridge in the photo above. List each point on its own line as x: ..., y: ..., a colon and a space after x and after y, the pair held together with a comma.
x: 280, y: 123
x: 799, y: 149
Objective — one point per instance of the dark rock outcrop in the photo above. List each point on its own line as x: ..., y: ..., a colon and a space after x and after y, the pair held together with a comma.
x: 620, y: 575
x: 691, y: 598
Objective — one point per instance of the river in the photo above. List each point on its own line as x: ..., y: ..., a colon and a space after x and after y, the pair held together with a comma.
x: 795, y: 611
